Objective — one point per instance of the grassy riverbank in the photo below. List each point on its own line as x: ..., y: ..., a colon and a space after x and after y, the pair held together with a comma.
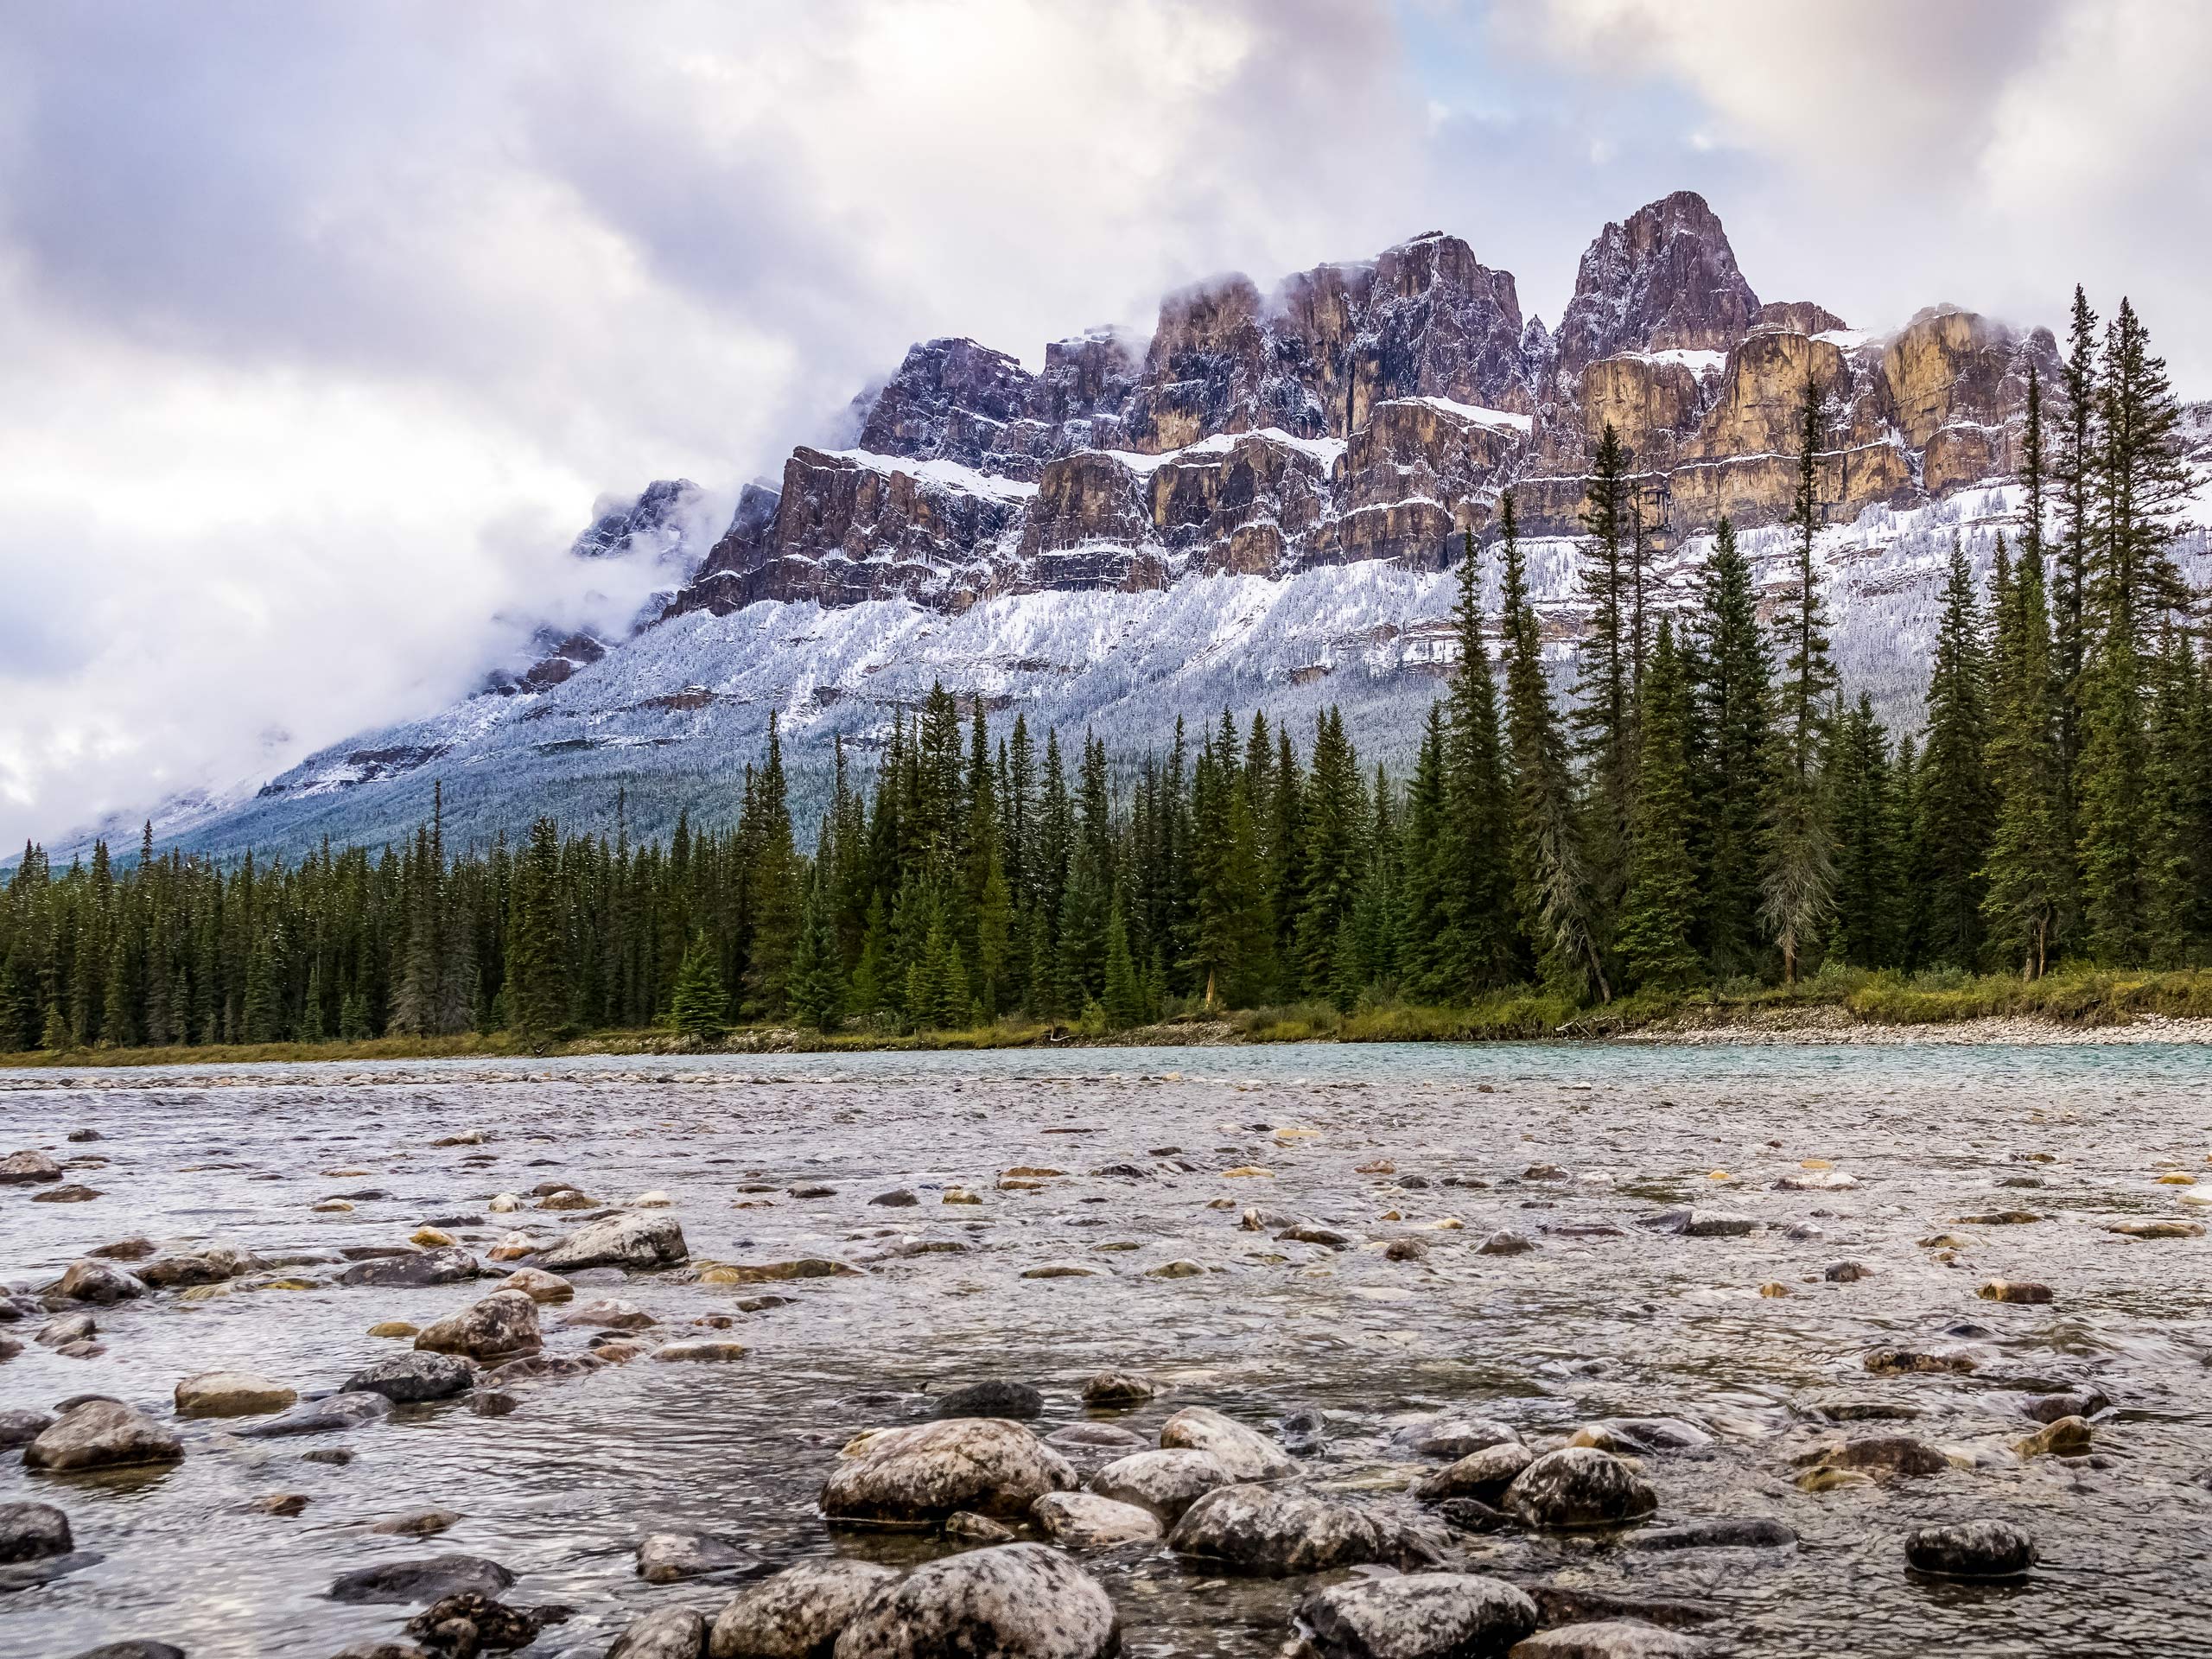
x: 1832, y: 1006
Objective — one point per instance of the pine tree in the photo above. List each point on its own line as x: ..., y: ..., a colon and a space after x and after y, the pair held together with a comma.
x: 816, y: 984
x: 1604, y: 709
x: 1868, y: 917
x: 1549, y: 891
x: 1731, y: 696
x: 1473, y: 841
x: 1334, y: 837
x: 2075, y: 473
x: 1798, y: 871
x: 537, y: 988
x: 1957, y: 803
x: 1660, y: 907
x: 2133, y: 590
x: 1424, y: 948
x: 773, y: 887
x: 2029, y: 872
x: 1121, y: 995
x: 699, y: 1004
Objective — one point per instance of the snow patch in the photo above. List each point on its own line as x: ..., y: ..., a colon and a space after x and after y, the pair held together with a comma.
x: 950, y: 474
x: 1699, y: 363
x: 1496, y: 419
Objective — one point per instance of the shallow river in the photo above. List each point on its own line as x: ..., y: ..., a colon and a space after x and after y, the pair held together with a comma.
x: 1589, y: 1324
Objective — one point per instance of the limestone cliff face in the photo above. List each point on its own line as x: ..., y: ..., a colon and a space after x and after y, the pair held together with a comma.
x: 1373, y: 411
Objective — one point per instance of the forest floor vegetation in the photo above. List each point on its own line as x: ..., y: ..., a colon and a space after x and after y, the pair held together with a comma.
x: 1838, y: 1005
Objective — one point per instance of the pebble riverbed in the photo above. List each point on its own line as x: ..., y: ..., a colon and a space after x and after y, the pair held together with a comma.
x: 1935, y: 1171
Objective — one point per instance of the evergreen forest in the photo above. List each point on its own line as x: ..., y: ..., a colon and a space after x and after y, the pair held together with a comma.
x: 1704, y: 807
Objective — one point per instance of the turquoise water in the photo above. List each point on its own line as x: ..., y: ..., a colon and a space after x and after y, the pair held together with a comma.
x: 1587, y: 1326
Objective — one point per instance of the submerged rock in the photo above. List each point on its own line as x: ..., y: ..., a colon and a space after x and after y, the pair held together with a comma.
x: 666, y: 1557
x: 1888, y: 1454
x: 1420, y: 1615
x: 33, y: 1532
x: 1973, y: 1549
x: 504, y: 1325
x: 1086, y: 1520
x: 639, y: 1242
x: 1611, y: 1638
x: 410, y: 1378
x: 1262, y: 1530
x: 1722, y: 1532
x: 671, y: 1633
x: 20, y: 1168
x: 992, y: 1397
x: 917, y: 1475
x: 797, y: 1614
x: 1017, y: 1601
x: 413, y: 1270
x: 1453, y: 1435
x: 416, y: 1523
x: 1246, y: 1453
x: 1484, y: 1474
x: 1578, y: 1487
x: 1165, y: 1483
x: 427, y: 1579
x: 1119, y: 1389
x: 2064, y: 1437
x: 339, y: 1411
x: 1897, y: 1361
x: 231, y: 1393
x: 101, y: 1435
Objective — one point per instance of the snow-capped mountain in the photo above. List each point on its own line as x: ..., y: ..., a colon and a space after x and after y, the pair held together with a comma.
x: 1258, y: 507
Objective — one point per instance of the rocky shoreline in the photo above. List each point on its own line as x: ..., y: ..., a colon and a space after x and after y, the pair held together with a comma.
x: 1806, y: 1026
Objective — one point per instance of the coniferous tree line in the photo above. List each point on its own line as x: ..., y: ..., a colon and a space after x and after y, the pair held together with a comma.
x: 1706, y: 809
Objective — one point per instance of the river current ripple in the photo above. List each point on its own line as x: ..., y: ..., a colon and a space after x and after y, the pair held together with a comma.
x: 1590, y: 1325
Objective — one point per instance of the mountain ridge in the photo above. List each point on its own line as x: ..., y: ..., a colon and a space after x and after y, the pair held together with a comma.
x: 1332, y: 440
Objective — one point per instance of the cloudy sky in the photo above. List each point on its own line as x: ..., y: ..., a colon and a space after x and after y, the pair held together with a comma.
x: 323, y: 325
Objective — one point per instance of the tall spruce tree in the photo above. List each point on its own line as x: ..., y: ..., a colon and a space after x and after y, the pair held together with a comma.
x: 698, y: 1008
x: 536, y: 989
x: 1733, y: 695
x: 1605, y: 707
x: 1798, y: 873
x: 1868, y: 913
x: 2075, y: 475
x: 1550, y: 892
x: 1957, y: 803
x: 2132, y: 592
x: 1473, y: 841
x: 2028, y: 873
x: 1334, y: 837
x: 1660, y: 907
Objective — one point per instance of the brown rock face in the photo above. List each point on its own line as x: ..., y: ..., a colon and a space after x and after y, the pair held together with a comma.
x: 1416, y: 476
x: 1796, y: 317
x: 1655, y: 404
x: 1665, y: 277
x: 959, y: 401
x: 1440, y: 324
x: 1216, y: 450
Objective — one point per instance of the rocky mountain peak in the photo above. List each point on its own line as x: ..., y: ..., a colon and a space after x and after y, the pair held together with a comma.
x: 953, y: 400
x: 1665, y: 278
x: 655, y: 513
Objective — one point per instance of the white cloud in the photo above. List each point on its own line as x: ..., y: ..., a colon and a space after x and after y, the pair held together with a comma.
x: 327, y: 325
